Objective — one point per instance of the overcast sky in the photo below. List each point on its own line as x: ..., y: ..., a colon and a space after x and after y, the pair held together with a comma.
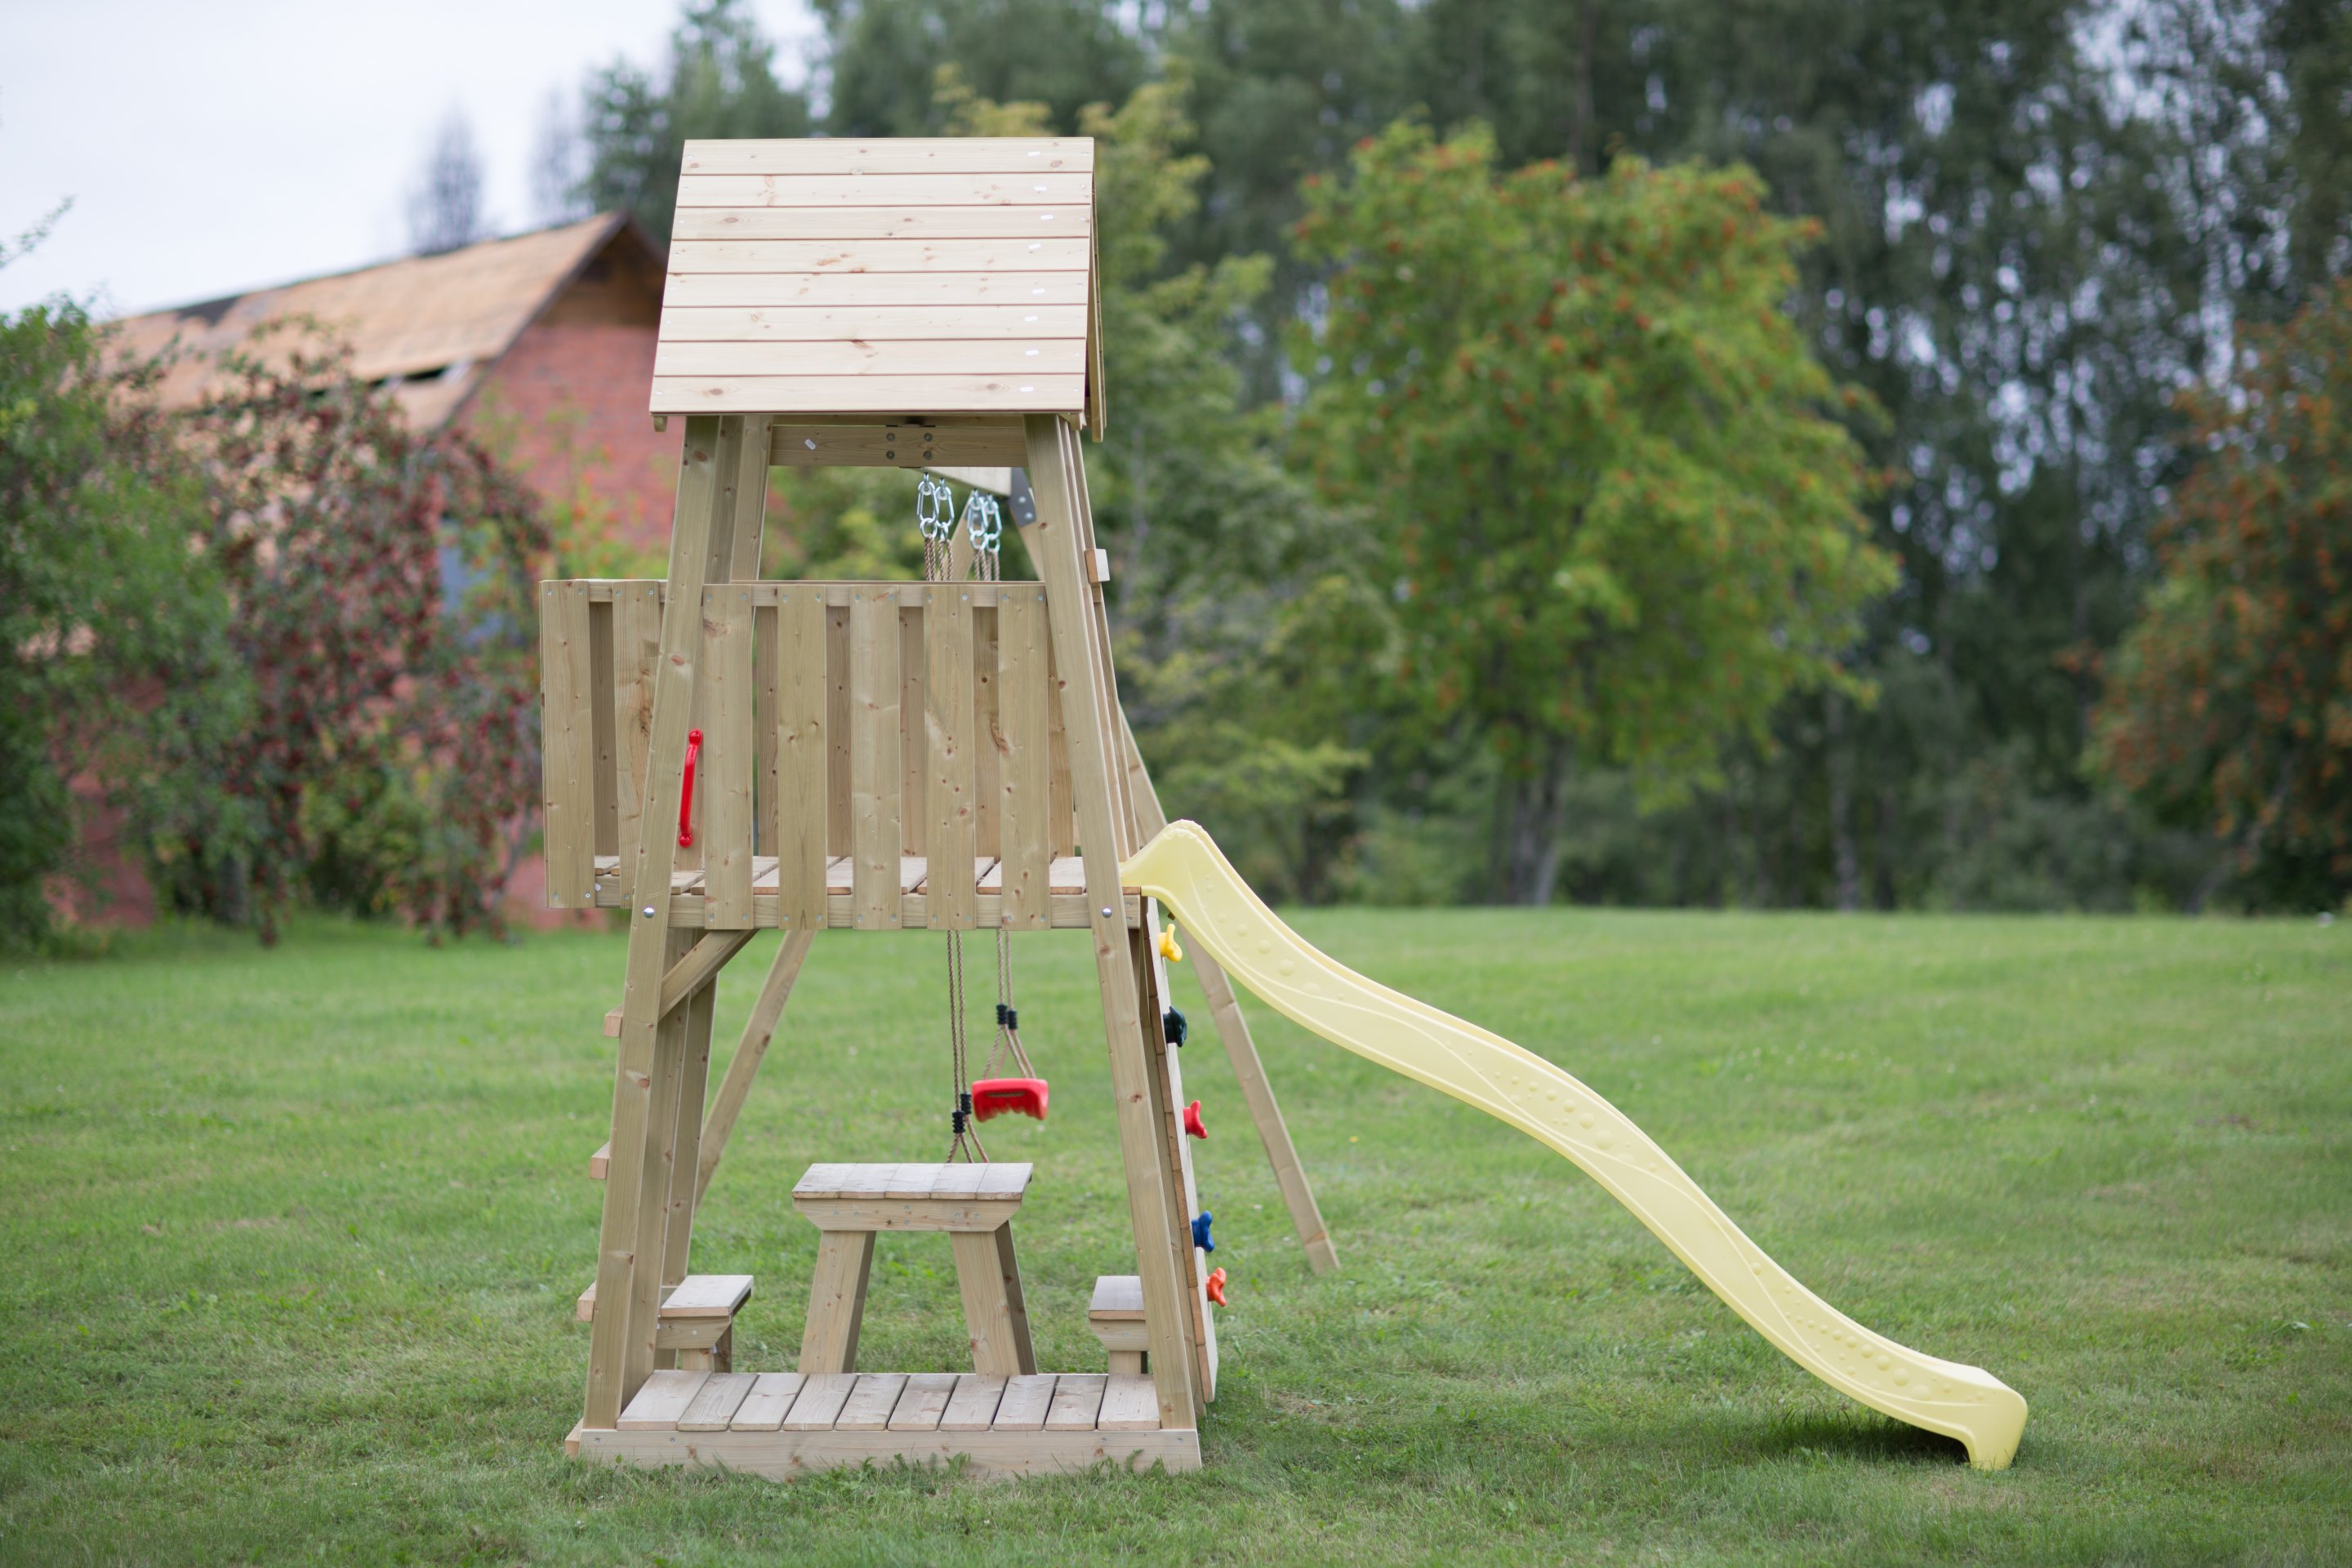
x: 213, y: 147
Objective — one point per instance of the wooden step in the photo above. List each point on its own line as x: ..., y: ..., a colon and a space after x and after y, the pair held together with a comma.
x: 1115, y: 1316
x: 697, y: 1297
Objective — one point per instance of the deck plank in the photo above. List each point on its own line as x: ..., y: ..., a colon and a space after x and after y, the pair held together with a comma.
x: 713, y: 1407
x: 869, y: 1405
x: 1078, y: 1399
x: 769, y: 1401
x: 972, y: 1407
x: 924, y: 1401
x: 1129, y: 1404
x: 820, y: 1399
x: 662, y: 1400
x: 1026, y: 1402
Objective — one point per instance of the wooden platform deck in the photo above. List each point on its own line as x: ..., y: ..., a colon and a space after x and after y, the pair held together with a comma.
x: 1067, y: 901
x: 781, y: 1424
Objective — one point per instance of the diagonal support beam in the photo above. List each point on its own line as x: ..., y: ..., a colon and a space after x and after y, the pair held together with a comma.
x: 684, y: 978
x: 758, y: 1030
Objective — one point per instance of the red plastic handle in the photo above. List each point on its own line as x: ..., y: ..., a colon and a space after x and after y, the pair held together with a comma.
x: 686, y: 795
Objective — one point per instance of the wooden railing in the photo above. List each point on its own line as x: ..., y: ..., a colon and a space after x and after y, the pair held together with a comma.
x: 849, y: 730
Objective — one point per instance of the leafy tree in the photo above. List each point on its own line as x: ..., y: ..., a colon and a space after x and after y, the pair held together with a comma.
x: 1059, y: 54
x: 113, y: 638
x: 382, y: 594
x: 1595, y: 466
x: 2230, y: 703
x: 720, y: 81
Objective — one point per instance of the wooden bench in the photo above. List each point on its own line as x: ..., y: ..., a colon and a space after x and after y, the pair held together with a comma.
x: 1115, y: 1315
x: 697, y: 1322
x: 974, y: 1204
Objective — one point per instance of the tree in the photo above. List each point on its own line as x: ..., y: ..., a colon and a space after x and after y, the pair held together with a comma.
x: 382, y: 610
x: 720, y: 82
x: 1060, y: 55
x: 1596, y: 470
x: 445, y: 209
x: 113, y: 636
x: 2230, y: 704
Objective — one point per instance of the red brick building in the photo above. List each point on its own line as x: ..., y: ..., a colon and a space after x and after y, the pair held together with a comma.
x: 541, y: 344
x: 544, y: 343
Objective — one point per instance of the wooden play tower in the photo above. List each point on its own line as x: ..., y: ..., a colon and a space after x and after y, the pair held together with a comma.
x: 725, y: 755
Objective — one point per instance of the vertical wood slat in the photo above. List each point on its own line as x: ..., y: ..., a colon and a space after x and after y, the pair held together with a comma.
x: 953, y: 900
x: 766, y: 731
x: 1024, y: 702
x: 913, y: 671
x: 723, y: 775
x: 1062, y: 815
x: 599, y: 716
x: 803, y: 808
x: 988, y: 791
x: 837, y: 730
x: 874, y: 778
x: 636, y: 649
x: 567, y: 744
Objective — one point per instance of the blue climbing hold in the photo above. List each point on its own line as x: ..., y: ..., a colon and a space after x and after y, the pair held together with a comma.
x: 1201, y: 1232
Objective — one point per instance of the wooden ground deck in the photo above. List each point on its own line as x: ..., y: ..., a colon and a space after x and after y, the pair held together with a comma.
x: 783, y: 1425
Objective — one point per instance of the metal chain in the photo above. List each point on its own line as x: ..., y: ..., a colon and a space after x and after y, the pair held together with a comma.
x: 935, y: 514
x: 966, y: 1138
x: 984, y: 522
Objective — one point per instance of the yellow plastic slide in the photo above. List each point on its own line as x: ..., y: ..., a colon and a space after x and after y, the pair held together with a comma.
x: 1184, y: 869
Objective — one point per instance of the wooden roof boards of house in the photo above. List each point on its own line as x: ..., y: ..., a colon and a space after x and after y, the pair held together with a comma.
x: 904, y: 277
x: 425, y: 324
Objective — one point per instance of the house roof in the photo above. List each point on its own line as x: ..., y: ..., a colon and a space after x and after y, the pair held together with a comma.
x: 425, y: 323
x: 898, y: 277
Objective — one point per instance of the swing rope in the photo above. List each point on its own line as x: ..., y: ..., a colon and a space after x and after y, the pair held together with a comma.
x: 1008, y: 1021
x: 983, y: 520
x: 966, y: 1139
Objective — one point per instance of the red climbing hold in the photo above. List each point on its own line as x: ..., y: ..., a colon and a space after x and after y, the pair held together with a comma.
x: 1193, y: 1120
x: 995, y: 1096
x: 1217, y: 1286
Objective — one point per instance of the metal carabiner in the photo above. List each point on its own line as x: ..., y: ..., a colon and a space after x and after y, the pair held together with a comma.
x: 935, y: 512
x: 983, y: 522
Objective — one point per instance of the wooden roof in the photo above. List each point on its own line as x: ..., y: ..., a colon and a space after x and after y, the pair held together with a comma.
x: 892, y: 276
x: 433, y: 322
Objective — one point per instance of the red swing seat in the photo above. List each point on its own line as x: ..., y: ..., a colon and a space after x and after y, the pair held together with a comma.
x: 995, y: 1096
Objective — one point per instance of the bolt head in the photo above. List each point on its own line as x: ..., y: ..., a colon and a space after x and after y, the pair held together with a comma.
x: 1106, y: 911
x: 649, y: 911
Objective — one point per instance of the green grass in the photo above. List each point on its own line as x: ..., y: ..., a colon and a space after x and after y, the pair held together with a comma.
x: 291, y: 1240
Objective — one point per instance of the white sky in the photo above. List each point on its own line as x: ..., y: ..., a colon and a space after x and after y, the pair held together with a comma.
x: 214, y: 148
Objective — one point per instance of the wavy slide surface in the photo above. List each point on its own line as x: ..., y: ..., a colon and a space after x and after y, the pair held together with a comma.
x: 1184, y: 869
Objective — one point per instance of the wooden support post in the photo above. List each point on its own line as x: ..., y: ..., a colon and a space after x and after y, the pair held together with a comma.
x: 758, y: 1030
x: 1258, y: 1089
x: 996, y: 1319
x: 845, y: 1261
x: 637, y: 1189
x: 1090, y: 710
x: 694, y: 1083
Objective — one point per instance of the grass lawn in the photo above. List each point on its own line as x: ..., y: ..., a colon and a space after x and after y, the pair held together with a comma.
x: 292, y: 1239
